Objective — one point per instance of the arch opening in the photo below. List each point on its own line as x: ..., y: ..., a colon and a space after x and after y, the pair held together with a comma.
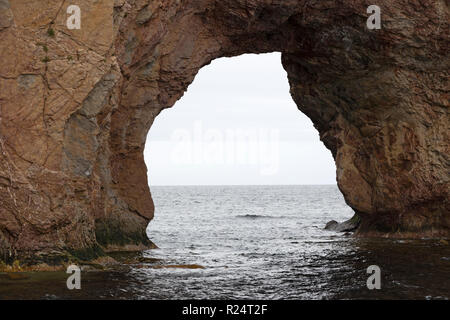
x: 238, y: 126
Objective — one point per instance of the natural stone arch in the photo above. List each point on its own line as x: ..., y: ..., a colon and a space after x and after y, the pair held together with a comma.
x: 377, y: 97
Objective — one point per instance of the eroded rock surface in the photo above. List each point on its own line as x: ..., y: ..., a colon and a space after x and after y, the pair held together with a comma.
x: 76, y: 107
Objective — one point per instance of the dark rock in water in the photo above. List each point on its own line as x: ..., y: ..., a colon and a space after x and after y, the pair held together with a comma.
x: 178, y: 266
x: 331, y: 225
x: 346, y: 226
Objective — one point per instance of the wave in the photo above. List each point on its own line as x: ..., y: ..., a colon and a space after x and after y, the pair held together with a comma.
x: 255, y: 216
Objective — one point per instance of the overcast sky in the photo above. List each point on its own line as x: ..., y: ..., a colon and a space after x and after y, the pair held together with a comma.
x: 237, y: 125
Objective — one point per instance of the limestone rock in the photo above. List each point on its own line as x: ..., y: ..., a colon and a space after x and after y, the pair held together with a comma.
x: 76, y: 106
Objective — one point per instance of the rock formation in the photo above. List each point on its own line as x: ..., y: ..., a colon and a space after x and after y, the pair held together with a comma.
x: 76, y: 107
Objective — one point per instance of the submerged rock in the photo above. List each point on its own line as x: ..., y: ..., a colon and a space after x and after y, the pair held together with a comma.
x: 17, y: 275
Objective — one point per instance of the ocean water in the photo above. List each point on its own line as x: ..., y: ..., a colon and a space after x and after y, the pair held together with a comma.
x: 256, y: 242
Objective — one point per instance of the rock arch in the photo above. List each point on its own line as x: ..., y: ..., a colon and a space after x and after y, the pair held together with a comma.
x: 73, y: 181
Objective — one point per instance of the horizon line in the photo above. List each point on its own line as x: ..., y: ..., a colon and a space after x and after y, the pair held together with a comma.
x: 239, y: 185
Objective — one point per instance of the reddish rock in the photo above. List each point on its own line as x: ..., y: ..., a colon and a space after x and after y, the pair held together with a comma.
x: 76, y: 107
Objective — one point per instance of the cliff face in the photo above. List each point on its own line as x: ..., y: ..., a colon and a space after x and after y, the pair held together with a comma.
x: 76, y: 107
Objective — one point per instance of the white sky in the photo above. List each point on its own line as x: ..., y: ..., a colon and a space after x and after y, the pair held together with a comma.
x: 237, y: 125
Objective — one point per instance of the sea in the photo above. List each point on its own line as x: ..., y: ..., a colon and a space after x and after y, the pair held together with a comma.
x: 255, y: 242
